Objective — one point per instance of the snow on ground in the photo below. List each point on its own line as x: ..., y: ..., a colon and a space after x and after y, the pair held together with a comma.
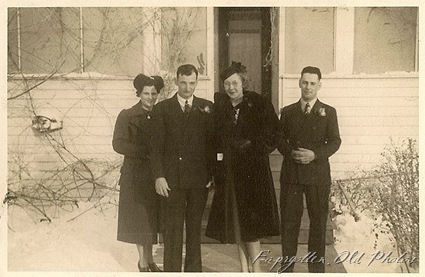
x: 359, y: 236
x: 82, y: 244
x: 88, y: 243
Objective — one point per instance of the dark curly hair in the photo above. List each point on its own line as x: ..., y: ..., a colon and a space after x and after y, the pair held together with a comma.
x: 142, y: 80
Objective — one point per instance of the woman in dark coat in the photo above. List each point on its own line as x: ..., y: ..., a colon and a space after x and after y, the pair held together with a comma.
x: 244, y: 207
x: 138, y: 210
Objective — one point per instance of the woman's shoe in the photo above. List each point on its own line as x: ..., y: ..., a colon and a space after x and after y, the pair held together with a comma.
x: 142, y: 269
x: 154, y: 268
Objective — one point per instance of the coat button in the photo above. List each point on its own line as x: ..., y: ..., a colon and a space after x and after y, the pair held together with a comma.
x: 180, y: 158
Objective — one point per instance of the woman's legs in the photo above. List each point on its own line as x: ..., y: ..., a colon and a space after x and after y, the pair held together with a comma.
x: 253, y: 248
x: 243, y: 256
x: 248, y: 252
x: 145, y: 254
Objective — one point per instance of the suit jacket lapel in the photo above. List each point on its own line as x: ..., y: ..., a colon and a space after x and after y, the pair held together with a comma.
x: 194, y: 112
x: 175, y: 108
x: 176, y: 115
x: 299, y: 118
x: 314, y: 111
x: 195, y: 105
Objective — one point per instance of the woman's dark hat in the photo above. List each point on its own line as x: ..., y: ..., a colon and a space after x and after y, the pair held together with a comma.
x: 235, y: 67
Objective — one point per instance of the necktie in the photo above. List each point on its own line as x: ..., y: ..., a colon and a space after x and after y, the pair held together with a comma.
x: 186, y: 107
x: 307, y: 108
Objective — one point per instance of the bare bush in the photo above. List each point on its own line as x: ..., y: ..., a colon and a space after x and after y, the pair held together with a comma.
x: 390, y: 194
x: 72, y: 180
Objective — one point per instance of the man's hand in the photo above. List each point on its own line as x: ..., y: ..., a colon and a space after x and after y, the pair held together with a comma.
x: 161, y: 186
x: 303, y: 156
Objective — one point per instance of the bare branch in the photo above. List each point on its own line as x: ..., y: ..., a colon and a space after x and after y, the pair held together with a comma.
x: 42, y: 82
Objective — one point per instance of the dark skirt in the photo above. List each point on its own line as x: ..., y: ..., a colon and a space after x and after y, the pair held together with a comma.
x: 138, y: 210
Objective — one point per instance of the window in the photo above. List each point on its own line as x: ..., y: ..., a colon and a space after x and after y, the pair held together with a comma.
x: 113, y: 40
x: 104, y: 40
x: 48, y: 40
x: 385, y: 39
x: 184, y: 37
x: 309, y: 39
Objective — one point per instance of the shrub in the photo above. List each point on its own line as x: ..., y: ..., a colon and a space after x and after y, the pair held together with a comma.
x: 390, y: 194
x: 396, y: 198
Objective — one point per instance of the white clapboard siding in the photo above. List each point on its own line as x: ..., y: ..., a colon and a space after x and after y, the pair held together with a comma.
x: 88, y: 109
x: 373, y: 112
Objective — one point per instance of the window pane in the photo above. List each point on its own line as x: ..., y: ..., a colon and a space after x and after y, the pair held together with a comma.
x: 385, y: 39
x: 184, y: 38
x: 113, y: 40
x: 309, y: 39
x: 49, y: 39
x: 12, y: 41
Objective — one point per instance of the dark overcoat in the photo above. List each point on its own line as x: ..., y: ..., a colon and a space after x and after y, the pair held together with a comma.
x: 138, y: 213
x: 244, y: 170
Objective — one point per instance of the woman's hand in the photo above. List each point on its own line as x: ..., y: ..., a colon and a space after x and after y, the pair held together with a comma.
x: 161, y: 186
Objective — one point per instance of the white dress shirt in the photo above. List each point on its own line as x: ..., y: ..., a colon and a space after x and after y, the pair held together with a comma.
x: 303, y: 103
x: 182, y: 101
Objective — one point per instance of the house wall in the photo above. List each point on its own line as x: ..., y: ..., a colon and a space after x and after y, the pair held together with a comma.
x: 371, y: 112
x: 372, y: 109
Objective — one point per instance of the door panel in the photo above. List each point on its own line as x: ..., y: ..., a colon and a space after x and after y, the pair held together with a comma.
x: 245, y: 48
x: 244, y: 36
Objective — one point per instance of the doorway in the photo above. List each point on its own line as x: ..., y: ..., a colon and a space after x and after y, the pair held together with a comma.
x: 244, y: 35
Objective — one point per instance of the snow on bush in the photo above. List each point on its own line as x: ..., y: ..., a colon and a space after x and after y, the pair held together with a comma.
x: 389, y: 196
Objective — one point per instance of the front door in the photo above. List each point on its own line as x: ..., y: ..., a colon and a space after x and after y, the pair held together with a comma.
x: 245, y: 36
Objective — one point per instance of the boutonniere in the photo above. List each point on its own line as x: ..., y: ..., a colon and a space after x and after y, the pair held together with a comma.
x: 205, y: 109
x: 321, y: 111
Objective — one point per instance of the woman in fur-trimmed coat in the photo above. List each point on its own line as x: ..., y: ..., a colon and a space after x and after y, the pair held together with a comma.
x: 244, y: 207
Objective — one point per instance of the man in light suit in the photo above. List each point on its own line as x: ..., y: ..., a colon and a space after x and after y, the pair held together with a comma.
x: 182, y: 157
x: 309, y: 136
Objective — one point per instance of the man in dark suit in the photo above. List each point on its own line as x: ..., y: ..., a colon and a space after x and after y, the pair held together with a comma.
x: 309, y: 136
x: 182, y: 159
